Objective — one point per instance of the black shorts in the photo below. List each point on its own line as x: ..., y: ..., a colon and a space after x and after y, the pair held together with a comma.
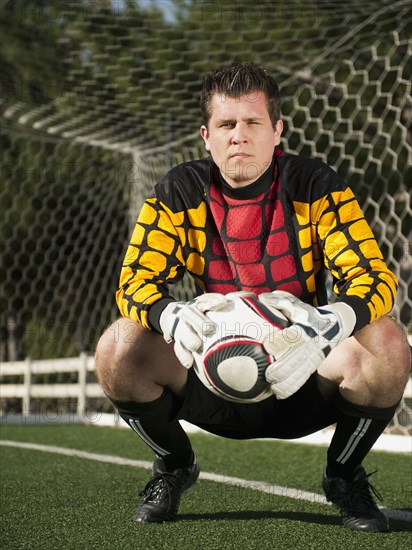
x: 305, y: 412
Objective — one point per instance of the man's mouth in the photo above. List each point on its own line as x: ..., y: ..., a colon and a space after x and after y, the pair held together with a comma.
x: 239, y: 154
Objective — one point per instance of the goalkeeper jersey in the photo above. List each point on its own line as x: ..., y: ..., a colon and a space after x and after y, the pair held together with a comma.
x: 280, y: 232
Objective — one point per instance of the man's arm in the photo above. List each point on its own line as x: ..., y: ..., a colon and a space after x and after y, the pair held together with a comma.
x: 153, y: 260
x: 351, y: 253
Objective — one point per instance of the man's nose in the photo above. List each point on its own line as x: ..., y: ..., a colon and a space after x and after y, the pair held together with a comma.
x: 239, y: 134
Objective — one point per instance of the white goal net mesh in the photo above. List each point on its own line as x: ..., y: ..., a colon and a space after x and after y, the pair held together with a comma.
x: 99, y: 99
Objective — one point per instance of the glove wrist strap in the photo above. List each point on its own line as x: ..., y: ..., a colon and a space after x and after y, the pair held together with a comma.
x: 346, y: 314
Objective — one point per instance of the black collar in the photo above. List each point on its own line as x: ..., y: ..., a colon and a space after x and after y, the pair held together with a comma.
x: 252, y: 190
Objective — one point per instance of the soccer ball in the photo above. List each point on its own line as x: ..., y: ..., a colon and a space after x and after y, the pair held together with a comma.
x: 233, y: 362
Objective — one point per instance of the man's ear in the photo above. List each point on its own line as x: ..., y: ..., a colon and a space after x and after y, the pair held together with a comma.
x: 278, y: 131
x: 205, y: 136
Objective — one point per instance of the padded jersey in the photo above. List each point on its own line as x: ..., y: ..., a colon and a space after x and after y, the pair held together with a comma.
x: 280, y: 232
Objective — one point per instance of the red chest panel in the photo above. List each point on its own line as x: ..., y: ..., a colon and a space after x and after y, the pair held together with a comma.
x: 251, y: 251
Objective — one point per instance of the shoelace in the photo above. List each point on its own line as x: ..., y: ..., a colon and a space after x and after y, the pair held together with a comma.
x: 359, y: 497
x: 155, y: 487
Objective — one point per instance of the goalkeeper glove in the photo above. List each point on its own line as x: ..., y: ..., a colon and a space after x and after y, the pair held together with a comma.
x: 187, y: 324
x: 300, y: 349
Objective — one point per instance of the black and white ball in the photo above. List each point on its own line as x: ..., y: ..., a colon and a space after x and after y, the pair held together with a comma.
x: 233, y: 361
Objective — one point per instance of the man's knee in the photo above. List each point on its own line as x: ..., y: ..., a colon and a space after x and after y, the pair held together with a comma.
x: 387, y: 342
x: 121, y: 349
x: 375, y: 362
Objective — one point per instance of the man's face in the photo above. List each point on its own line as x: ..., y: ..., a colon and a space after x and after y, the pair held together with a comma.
x: 240, y: 137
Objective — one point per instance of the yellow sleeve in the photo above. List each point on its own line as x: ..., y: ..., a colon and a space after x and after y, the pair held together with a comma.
x: 352, y: 254
x: 153, y: 260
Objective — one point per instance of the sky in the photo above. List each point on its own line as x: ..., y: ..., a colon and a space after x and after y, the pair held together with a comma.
x: 165, y: 5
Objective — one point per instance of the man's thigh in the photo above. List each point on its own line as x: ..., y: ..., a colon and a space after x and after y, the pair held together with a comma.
x: 134, y: 361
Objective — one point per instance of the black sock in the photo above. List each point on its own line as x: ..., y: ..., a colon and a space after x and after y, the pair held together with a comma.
x: 153, y: 422
x: 357, y: 429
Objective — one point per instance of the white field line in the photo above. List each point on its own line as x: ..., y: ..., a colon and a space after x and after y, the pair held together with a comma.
x: 260, y: 486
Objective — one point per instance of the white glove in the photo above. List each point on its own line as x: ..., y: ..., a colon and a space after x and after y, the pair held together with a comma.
x: 300, y: 349
x: 187, y: 324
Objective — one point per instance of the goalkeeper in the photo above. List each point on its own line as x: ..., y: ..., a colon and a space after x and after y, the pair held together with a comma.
x: 253, y: 218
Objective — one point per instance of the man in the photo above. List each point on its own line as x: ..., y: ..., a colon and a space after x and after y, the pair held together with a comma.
x: 252, y: 218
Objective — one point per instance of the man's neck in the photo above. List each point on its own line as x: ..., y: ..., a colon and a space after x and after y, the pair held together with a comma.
x: 251, y: 190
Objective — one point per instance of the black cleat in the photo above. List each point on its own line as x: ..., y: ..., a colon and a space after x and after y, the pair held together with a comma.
x: 355, y: 501
x: 161, y: 496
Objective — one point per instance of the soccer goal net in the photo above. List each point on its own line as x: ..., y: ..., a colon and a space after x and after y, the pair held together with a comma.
x: 99, y: 99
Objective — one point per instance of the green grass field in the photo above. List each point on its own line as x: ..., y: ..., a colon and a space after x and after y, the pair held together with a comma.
x: 53, y: 501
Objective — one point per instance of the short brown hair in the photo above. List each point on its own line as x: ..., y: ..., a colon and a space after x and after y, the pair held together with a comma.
x: 239, y: 79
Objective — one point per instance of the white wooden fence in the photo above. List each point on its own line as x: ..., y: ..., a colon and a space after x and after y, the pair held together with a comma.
x: 27, y: 390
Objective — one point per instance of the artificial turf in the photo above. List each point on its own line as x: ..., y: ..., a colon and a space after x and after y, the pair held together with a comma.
x: 63, y: 502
